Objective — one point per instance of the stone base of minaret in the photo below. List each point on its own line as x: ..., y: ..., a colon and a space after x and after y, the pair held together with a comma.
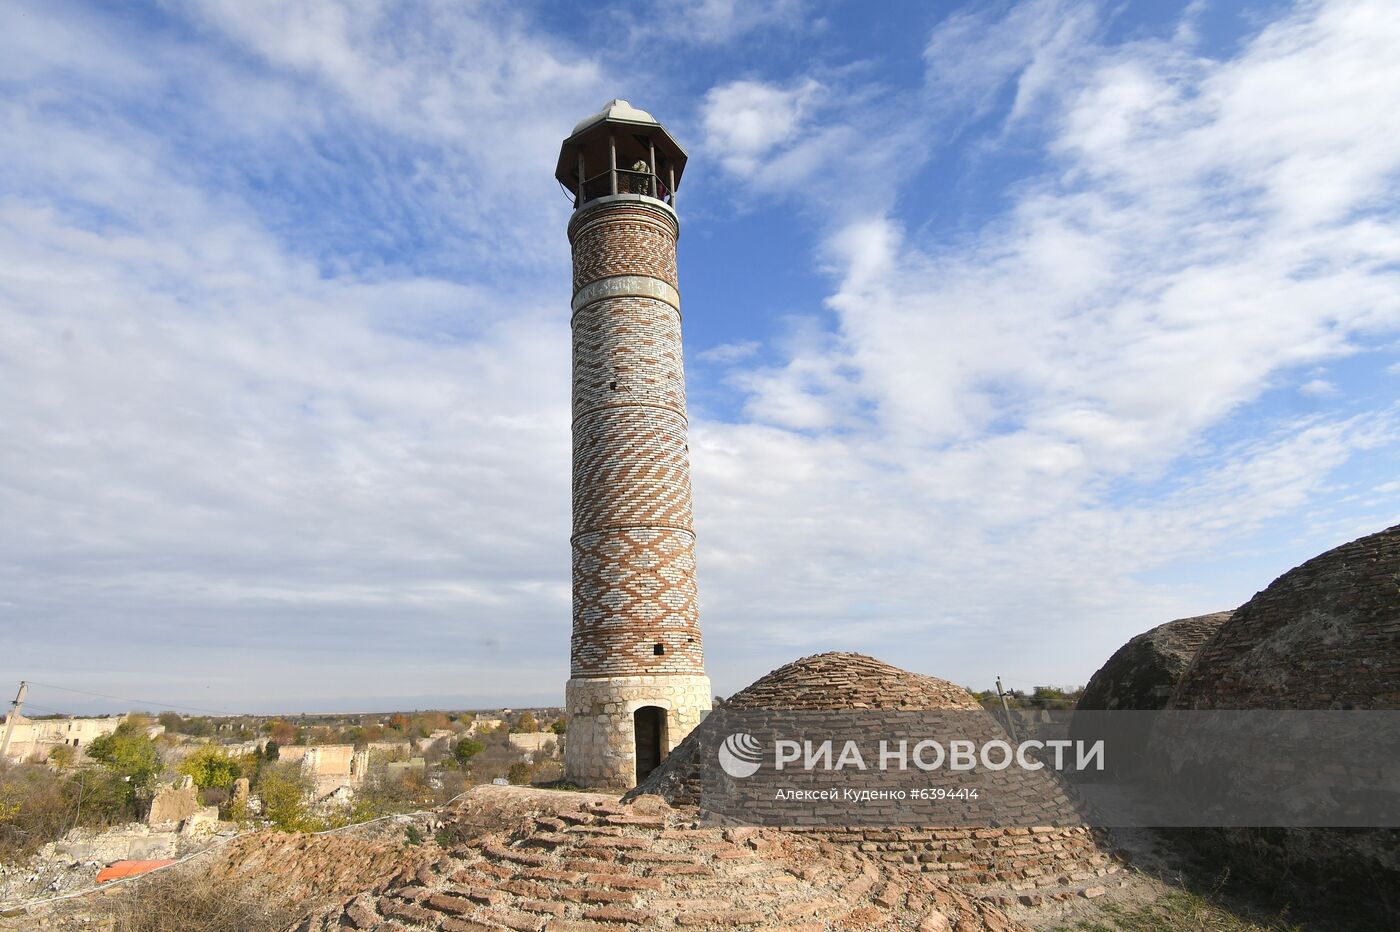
x: 604, y: 715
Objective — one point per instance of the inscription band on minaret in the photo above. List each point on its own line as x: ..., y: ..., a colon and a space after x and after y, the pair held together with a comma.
x: 637, y: 677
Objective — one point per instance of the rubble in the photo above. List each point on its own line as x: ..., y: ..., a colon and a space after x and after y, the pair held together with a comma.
x: 584, y: 863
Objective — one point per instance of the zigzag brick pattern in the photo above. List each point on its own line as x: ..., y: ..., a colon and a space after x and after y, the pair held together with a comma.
x: 635, y: 609
x: 628, y: 238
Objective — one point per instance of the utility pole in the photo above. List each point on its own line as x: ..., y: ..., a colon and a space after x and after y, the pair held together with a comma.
x: 1010, y: 725
x: 10, y: 719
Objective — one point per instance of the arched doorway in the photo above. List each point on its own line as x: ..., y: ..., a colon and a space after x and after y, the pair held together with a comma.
x: 649, y: 726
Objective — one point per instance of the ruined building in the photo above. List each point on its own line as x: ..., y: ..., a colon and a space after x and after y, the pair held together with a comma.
x: 637, y: 677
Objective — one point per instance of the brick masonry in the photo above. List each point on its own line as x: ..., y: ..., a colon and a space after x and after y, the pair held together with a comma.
x: 579, y: 863
x: 636, y: 634
x: 1019, y: 858
x: 1142, y: 674
x: 1324, y: 635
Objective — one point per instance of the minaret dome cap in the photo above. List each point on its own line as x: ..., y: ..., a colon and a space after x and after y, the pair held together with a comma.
x: 635, y: 136
x: 616, y: 109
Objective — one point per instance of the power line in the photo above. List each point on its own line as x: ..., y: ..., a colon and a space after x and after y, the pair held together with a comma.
x: 145, y: 702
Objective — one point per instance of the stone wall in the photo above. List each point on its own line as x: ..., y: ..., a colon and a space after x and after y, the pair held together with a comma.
x: 534, y: 740
x: 174, y: 804
x: 601, y: 747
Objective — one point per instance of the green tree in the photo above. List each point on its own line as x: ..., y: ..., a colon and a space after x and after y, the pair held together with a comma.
x: 560, y: 726
x: 519, y: 773
x: 212, y: 766
x: 128, y: 753
x: 527, y: 722
x: 466, y: 749
x: 271, y: 750
x: 285, y: 793
x: 62, y: 756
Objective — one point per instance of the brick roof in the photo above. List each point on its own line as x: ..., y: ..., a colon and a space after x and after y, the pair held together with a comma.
x: 596, y: 865
x: 838, y: 680
x: 1324, y: 635
x: 1142, y: 674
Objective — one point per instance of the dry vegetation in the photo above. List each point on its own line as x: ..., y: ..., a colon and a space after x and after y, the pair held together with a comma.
x: 1179, y: 911
x: 195, y: 901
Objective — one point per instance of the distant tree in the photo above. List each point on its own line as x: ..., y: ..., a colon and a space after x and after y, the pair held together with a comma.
x: 212, y: 767
x: 198, y: 727
x: 466, y: 749
x: 559, y: 726
x: 271, y: 751
x: 281, y: 731
x: 172, y: 721
x: 435, y: 721
x: 519, y: 773
x: 527, y: 723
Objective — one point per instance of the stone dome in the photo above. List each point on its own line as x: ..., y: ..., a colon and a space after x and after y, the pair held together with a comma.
x: 1142, y: 674
x: 1325, y: 635
x: 615, y: 109
x: 838, y: 680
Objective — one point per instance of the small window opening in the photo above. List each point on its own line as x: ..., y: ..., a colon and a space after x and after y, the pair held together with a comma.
x: 658, y: 649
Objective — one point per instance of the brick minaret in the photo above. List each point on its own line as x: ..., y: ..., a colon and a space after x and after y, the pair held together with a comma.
x: 637, y: 676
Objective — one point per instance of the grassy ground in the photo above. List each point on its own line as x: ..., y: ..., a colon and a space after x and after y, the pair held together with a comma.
x: 1178, y: 911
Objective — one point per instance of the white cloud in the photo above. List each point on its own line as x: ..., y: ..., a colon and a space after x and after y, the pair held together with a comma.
x: 727, y: 353
x: 971, y: 55
x: 218, y: 444
x: 711, y: 21
x: 746, y: 121
x: 234, y: 441
x: 1318, y: 388
x: 1036, y: 416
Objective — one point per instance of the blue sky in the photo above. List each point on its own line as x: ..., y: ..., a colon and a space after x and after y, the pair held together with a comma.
x: 1012, y: 330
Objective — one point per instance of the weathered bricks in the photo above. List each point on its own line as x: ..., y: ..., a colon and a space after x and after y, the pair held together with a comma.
x: 617, y: 914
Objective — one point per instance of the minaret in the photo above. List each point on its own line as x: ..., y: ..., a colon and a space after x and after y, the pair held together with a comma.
x: 637, y: 675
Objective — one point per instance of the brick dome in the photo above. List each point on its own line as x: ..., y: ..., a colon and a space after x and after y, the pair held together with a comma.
x: 1142, y: 674
x: 980, y: 858
x: 838, y: 680
x: 1325, y: 635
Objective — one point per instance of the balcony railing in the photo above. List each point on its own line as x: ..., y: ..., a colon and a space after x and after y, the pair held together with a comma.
x: 623, y: 181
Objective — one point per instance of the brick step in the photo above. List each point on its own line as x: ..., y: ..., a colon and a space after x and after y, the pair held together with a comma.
x: 720, y: 919
x: 655, y: 857
x: 515, y: 855
x: 589, y: 865
x: 548, y: 840
x: 678, y: 870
